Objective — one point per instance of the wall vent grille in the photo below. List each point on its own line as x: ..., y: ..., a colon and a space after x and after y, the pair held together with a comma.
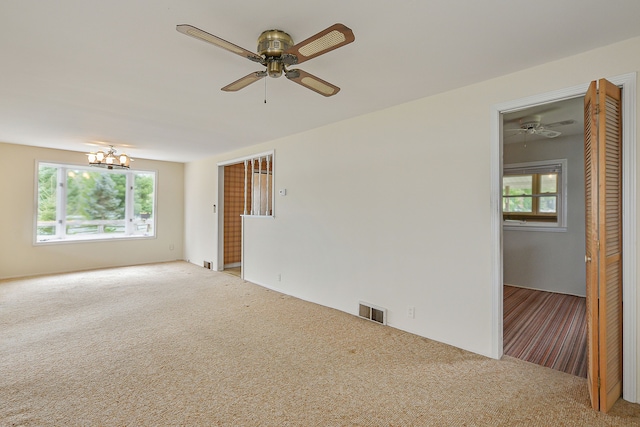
x: 373, y: 313
x: 207, y: 265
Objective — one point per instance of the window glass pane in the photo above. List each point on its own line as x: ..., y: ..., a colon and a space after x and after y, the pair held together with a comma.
x: 95, y: 202
x: 532, y: 195
x: 517, y: 185
x: 47, y: 197
x: 547, y: 204
x: 517, y: 204
x: 143, y: 196
x: 549, y: 183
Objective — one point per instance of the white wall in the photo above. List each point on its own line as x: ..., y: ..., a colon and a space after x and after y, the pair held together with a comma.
x: 393, y: 208
x: 550, y: 261
x: 20, y: 257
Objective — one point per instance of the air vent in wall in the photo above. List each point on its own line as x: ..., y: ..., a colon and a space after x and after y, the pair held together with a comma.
x: 373, y: 313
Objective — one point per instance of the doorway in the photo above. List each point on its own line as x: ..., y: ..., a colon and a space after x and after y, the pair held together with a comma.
x: 544, y: 235
x: 629, y: 220
x: 245, y: 189
x: 233, y: 209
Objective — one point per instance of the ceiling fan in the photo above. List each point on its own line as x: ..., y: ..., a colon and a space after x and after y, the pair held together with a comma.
x: 277, y: 52
x: 531, y: 125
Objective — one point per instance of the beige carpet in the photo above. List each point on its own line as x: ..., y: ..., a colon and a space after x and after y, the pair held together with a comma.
x: 174, y: 344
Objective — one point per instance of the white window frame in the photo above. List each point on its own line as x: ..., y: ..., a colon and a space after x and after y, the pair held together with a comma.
x: 60, y: 236
x: 561, y: 224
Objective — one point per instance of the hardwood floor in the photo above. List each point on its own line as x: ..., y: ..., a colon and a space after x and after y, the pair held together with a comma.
x: 233, y: 270
x: 546, y: 328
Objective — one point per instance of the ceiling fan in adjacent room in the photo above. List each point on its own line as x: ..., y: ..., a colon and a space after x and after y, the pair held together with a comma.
x: 531, y: 125
x: 277, y: 52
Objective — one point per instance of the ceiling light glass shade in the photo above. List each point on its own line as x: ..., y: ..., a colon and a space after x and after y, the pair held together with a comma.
x: 109, y: 160
x: 124, y: 160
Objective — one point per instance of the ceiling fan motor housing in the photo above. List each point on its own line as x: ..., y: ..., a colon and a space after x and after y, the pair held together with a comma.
x: 530, y: 127
x: 271, y: 44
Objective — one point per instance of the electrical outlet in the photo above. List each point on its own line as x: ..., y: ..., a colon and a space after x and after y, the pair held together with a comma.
x: 411, y: 312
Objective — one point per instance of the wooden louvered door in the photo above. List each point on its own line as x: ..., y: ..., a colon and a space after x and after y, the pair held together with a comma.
x: 603, y: 198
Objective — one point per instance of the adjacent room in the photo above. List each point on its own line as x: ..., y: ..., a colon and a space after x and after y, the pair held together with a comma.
x: 348, y: 228
x: 544, y: 232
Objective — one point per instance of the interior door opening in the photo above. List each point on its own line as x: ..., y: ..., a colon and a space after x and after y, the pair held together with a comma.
x: 245, y: 189
x: 543, y: 236
x: 233, y: 209
x: 628, y: 273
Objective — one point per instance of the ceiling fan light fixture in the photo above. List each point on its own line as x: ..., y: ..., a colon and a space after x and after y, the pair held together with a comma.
x: 274, y: 68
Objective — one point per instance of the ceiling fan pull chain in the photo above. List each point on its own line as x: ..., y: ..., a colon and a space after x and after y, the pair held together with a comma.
x: 265, y: 90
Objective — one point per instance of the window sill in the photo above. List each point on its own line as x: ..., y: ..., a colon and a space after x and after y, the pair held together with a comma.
x: 92, y: 239
x: 533, y: 226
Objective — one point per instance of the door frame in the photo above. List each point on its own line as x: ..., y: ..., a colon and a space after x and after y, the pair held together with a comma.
x: 220, y: 201
x: 629, y: 222
x: 221, y: 214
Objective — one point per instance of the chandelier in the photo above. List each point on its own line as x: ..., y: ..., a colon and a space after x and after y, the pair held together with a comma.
x: 109, y: 159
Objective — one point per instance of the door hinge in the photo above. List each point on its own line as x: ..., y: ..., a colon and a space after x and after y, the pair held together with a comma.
x: 598, y: 382
x: 597, y: 109
x: 598, y: 244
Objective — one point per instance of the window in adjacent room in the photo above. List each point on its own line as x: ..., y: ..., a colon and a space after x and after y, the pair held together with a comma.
x: 534, y: 195
x: 82, y: 203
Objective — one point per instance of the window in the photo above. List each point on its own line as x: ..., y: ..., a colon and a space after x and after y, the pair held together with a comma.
x: 82, y: 203
x: 534, y: 195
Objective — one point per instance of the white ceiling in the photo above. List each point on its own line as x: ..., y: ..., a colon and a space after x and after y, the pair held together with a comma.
x: 80, y: 72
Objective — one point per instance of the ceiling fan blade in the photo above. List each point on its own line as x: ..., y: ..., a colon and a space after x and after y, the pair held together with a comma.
x: 217, y: 41
x: 561, y: 123
x: 244, y: 81
x: 548, y: 133
x: 312, y: 82
x: 325, y: 41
